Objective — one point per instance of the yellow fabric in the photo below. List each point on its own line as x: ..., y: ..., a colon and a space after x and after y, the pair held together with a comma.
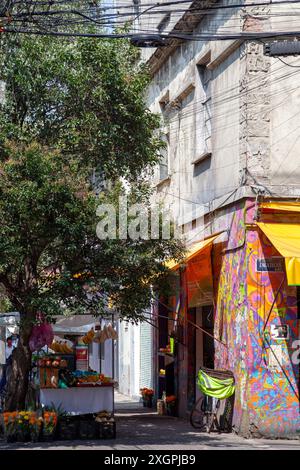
x: 286, y: 239
x: 192, y: 251
x: 281, y: 206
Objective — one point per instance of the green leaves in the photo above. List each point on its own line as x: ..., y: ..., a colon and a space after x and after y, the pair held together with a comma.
x: 85, y: 97
x: 73, y: 106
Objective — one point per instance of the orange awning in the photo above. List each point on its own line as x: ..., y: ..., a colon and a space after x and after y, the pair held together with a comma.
x: 193, y: 251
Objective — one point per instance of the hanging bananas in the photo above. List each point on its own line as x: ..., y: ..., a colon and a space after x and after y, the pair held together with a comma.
x: 88, y: 338
x: 61, y: 347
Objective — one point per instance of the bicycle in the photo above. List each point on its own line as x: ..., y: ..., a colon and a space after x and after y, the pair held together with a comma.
x: 204, y: 415
x: 207, y: 414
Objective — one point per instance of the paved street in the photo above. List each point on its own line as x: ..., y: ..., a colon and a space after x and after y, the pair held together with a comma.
x: 143, y: 429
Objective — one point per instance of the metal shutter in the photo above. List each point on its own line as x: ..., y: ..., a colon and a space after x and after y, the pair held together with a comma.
x: 146, y: 366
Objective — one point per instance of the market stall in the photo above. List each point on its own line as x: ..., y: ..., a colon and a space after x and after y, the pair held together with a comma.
x: 66, y: 363
x: 79, y: 400
x: 69, y: 377
x: 71, y: 387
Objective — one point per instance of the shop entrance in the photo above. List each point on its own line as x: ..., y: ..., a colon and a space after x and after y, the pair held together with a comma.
x: 200, y: 347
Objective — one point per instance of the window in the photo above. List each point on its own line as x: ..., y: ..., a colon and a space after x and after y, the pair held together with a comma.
x: 164, y: 159
x: 164, y: 22
x: 205, y: 77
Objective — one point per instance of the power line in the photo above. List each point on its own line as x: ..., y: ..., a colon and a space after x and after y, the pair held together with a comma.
x: 289, y: 65
x: 50, y: 20
x: 191, y: 37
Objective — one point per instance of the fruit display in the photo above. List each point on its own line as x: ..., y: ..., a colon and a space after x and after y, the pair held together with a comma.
x: 91, y: 378
x: 61, y: 347
x: 104, y: 416
x: 52, y: 362
x: 167, y: 349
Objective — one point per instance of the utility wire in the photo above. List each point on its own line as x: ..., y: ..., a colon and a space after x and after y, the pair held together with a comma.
x: 203, y: 37
x: 289, y: 65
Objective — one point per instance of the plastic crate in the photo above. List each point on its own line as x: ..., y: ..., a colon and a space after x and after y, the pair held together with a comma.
x: 67, y: 428
x: 87, y: 429
x: 106, y: 429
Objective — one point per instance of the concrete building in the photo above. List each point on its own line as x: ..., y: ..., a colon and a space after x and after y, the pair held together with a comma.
x: 230, y: 120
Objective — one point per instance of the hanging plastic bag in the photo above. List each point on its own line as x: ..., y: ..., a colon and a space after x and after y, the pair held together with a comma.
x: 41, y: 335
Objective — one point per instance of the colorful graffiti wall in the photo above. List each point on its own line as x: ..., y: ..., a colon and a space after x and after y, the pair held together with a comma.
x: 250, y: 285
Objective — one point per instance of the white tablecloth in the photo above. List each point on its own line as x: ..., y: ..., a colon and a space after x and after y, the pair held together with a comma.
x: 79, y: 400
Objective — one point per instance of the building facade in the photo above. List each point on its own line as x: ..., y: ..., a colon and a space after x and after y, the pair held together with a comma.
x: 134, y: 358
x: 230, y: 122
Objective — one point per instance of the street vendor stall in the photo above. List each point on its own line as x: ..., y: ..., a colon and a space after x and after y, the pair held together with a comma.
x: 69, y: 376
x: 70, y: 395
x: 78, y: 400
x: 66, y: 379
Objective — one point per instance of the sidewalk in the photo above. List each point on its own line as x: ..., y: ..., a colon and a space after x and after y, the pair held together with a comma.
x: 141, y: 428
x: 130, y: 408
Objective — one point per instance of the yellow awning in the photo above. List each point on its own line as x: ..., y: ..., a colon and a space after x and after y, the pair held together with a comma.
x: 286, y: 239
x: 192, y: 251
x: 281, y: 206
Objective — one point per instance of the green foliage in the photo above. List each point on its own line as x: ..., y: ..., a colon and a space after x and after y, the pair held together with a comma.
x: 83, y: 97
x: 70, y: 107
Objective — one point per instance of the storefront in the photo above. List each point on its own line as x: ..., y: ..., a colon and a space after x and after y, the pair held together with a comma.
x: 236, y: 306
x: 187, y: 316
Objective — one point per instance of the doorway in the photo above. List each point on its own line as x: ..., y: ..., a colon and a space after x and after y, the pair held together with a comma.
x: 204, y: 344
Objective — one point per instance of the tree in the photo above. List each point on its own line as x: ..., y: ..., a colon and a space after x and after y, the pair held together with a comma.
x: 71, y: 107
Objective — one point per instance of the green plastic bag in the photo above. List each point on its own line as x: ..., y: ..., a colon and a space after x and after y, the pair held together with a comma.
x: 217, y: 388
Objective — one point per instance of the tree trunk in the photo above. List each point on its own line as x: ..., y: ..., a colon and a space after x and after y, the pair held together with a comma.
x: 18, y: 373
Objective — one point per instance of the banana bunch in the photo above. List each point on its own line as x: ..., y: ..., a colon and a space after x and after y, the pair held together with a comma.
x: 61, y: 348
x: 88, y: 338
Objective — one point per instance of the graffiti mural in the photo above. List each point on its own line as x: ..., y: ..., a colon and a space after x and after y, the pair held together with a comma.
x: 253, y: 299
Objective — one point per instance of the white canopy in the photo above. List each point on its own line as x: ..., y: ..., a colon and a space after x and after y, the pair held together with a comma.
x: 76, y: 324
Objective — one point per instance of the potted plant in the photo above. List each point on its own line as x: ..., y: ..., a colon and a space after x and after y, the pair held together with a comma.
x: 35, y: 427
x: 22, y: 426
x: 147, y: 395
x: 49, y: 425
x: 170, y: 402
x: 9, y: 425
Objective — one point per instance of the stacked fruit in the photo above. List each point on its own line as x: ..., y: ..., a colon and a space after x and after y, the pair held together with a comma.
x: 88, y: 378
x: 167, y: 349
x: 52, y: 362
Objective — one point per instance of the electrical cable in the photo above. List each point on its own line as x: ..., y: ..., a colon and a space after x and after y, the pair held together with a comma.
x: 289, y: 65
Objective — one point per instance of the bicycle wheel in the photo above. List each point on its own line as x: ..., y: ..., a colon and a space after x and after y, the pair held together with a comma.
x: 199, y: 418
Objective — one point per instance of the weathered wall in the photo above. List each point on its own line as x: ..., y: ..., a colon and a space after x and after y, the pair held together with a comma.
x: 213, y: 178
x: 265, y: 403
x: 285, y: 123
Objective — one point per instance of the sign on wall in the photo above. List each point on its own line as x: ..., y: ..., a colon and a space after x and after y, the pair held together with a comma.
x: 274, y: 265
x: 280, y: 331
